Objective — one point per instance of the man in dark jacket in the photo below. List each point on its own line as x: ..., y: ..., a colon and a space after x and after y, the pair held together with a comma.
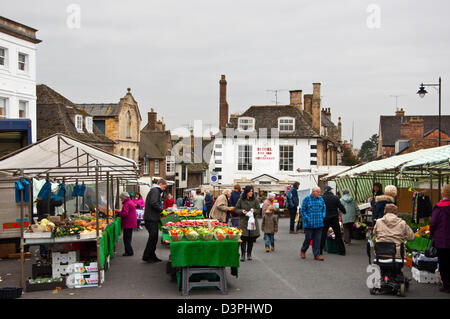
x: 209, y: 202
x: 333, y: 205
x: 292, y: 203
x: 152, y: 216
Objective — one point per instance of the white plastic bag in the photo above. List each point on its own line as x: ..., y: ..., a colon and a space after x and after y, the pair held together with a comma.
x: 251, y: 221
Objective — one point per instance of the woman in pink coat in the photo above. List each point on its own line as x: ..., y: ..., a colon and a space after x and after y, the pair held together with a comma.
x: 139, y: 201
x: 129, y: 221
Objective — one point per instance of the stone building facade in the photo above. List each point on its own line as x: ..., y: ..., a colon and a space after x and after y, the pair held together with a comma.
x: 120, y: 122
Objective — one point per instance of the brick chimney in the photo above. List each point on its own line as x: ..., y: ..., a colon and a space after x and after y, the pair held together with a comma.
x: 316, y: 107
x: 223, y: 105
x: 308, y: 103
x: 412, y: 128
x: 296, y: 99
x: 399, y: 112
x: 152, y: 120
x: 340, y: 128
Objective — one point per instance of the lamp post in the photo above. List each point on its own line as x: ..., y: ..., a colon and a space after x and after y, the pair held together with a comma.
x: 422, y: 93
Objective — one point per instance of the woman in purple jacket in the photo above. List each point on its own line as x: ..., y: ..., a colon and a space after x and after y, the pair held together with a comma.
x: 129, y: 221
x: 440, y: 232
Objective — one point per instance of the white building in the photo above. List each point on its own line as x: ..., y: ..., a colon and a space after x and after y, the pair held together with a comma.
x: 275, y: 145
x: 18, y: 45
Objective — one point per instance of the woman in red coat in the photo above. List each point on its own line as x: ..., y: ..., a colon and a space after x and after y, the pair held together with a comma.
x: 129, y: 221
x: 169, y: 201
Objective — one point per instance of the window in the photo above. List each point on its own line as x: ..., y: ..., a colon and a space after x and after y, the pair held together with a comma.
x: 3, y: 53
x: 286, y: 124
x: 100, y: 125
x: 218, y: 145
x: 121, y: 152
x: 79, y: 123
x: 156, y: 167
x: 313, y: 162
x: 133, y: 154
x: 314, y: 147
x: 23, y: 62
x: 145, y: 166
x: 313, y: 154
x: 23, y: 107
x: 217, y: 153
x: 183, y: 172
x: 246, y: 124
x: 170, y: 164
x: 89, y: 127
x: 218, y: 162
x: 286, y: 158
x: 245, y: 158
x: 128, y: 153
x: 218, y: 169
x: 128, y: 125
x: 2, y: 108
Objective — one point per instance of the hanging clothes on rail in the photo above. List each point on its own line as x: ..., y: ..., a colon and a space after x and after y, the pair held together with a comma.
x: 421, y: 206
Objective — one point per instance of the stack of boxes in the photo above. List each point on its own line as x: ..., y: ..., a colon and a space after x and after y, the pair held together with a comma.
x: 77, y: 274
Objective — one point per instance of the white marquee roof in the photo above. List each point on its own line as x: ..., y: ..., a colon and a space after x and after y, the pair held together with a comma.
x: 62, y: 156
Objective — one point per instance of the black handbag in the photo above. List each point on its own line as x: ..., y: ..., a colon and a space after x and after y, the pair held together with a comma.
x: 431, y: 251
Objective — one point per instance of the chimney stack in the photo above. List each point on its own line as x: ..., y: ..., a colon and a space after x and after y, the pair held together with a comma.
x: 340, y: 129
x: 223, y: 105
x: 400, y: 112
x: 316, y: 107
x: 152, y: 120
x: 296, y: 99
x: 308, y: 103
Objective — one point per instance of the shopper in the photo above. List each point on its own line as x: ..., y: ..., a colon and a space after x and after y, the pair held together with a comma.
x: 234, y: 197
x: 128, y: 221
x: 313, y: 212
x: 152, y: 216
x: 220, y: 208
x: 348, y: 219
x: 269, y: 227
x: 440, y: 233
x: 392, y: 228
x: 377, y: 190
x: 333, y: 205
x: 390, y: 193
x: 198, y: 201
x: 267, y: 203
x: 209, y: 202
x: 292, y: 203
x: 186, y: 201
x: 247, y: 208
x: 169, y: 201
x: 138, y: 201
x: 280, y: 199
x: 179, y: 201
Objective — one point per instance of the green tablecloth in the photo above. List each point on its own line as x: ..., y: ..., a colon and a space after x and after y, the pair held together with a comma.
x: 110, y: 236
x: 103, y: 249
x: 211, y: 253
x: 165, y: 236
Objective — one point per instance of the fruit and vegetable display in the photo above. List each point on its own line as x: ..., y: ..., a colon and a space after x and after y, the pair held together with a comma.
x: 45, y: 280
x: 206, y: 230
x: 84, y: 224
x: 189, y: 213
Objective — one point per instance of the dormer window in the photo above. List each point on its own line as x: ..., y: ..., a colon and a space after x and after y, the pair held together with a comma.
x: 79, y: 123
x: 89, y: 127
x: 246, y: 124
x: 286, y: 124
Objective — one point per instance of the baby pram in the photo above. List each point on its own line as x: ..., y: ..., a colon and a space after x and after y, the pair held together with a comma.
x: 391, y: 278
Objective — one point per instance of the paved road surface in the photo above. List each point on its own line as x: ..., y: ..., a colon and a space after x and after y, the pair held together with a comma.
x: 279, y: 274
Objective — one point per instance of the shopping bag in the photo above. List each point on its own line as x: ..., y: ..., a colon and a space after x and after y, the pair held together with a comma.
x: 296, y: 217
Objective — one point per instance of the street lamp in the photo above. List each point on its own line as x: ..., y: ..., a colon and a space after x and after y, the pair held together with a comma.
x: 422, y: 93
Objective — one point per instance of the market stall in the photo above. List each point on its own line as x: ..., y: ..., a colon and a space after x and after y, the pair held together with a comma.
x: 65, y: 160
x: 410, y: 172
x: 202, y: 247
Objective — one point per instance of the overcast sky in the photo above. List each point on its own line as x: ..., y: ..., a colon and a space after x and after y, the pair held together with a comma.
x: 172, y: 53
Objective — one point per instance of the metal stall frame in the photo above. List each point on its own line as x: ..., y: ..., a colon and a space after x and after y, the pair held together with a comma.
x: 107, y: 167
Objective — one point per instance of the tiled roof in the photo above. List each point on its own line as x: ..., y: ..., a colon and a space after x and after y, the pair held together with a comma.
x: 55, y: 114
x: 101, y: 109
x: 154, y: 144
x: 390, y: 126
